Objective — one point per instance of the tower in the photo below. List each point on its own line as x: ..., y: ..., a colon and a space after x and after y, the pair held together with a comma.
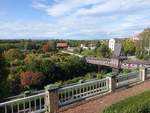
x: 118, y: 57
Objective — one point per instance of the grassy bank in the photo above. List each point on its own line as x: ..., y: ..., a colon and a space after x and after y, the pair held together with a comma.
x: 136, y: 104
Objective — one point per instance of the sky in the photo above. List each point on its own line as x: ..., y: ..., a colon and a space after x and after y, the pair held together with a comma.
x: 73, y: 19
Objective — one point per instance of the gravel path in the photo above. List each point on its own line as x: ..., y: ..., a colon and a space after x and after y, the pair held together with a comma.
x: 97, y: 106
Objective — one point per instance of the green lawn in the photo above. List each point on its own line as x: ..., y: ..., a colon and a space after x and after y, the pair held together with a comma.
x: 136, y: 104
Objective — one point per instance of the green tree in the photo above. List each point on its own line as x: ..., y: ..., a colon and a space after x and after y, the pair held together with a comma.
x: 49, y: 46
x: 13, y: 54
x: 129, y: 47
x: 30, y: 45
x: 3, y: 77
x: 103, y: 51
x: 52, y: 45
x: 143, y: 45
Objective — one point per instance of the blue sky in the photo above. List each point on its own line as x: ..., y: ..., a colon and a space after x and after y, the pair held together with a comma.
x: 73, y: 19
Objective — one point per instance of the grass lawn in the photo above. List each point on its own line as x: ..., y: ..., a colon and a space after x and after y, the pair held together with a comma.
x: 136, y: 104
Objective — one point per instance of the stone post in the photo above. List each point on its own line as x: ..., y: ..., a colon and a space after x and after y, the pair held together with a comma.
x: 112, y: 83
x: 52, y: 99
x: 143, y: 74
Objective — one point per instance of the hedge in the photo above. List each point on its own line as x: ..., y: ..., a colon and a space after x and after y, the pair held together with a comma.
x: 136, y: 104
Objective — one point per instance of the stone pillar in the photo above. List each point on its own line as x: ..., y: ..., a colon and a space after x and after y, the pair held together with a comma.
x: 52, y: 99
x: 143, y: 74
x: 112, y: 83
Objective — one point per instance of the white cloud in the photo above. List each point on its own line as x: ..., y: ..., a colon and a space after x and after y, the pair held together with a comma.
x: 87, y: 7
x: 64, y: 7
x: 115, y: 6
x: 84, y: 19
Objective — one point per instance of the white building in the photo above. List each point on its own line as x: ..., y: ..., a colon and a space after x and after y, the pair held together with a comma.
x: 90, y: 46
x: 112, y: 43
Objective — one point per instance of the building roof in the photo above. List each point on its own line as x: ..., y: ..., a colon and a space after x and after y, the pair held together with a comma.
x: 62, y: 45
x: 119, y: 53
x: 118, y: 48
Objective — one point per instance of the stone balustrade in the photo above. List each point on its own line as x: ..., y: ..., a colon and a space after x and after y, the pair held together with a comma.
x: 56, y: 96
x: 27, y: 104
x: 81, y: 91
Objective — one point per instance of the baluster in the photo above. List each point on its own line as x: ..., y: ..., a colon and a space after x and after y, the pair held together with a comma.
x: 76, y: 93
x: 40, y: 103
x: 91, y: 88
x: 24, y: 107
x: 86, y: 90
x: 100, y: 86
x: 96, y: 87
x: 35, y: 104
x: 61, y: 97
x: 80, y: 94
x: 103, y: 85
x: 72, y: 93
x: 82, y: 91
x: 89, y: 91
x: 29, y: 105
x: 69, y: 95
x: 107, y: 82
x: 18, y: 107
x: 12, y: 109
x: 65, y: 96
x: 5, y: 108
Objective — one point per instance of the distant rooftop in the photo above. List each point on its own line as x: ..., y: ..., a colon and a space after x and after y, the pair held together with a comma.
x: 62, y: 45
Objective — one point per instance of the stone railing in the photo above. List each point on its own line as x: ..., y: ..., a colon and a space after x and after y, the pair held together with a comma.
x: 81, y: 91
x: 28, y: 104
x: 126, y: 79
x: 56, y: 96
x: 148, y: 73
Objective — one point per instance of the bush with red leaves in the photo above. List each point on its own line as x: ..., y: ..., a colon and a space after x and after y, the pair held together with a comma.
x: 29, y: 78
x: 46, y: 47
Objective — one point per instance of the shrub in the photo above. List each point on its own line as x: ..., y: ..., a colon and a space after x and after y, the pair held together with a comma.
x: 135, y: 104
x: 46, y: 47
x: 29, y: 79
x: 13, y: 54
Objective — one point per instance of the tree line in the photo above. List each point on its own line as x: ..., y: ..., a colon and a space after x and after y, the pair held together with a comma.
x: 22, y: 70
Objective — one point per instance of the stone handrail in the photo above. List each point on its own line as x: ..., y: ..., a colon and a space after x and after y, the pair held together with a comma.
x: 81, y: 91
x: 126, y: 79
x: 56, y: 96
x: 26, y: 104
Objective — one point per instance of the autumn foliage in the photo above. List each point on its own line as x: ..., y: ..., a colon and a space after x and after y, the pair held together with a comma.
x: 29, y: 79
x: 13, y: 54
x: 46, y: 47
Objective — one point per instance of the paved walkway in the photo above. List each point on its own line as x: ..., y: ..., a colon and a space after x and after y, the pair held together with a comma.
x: 97, y: 106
